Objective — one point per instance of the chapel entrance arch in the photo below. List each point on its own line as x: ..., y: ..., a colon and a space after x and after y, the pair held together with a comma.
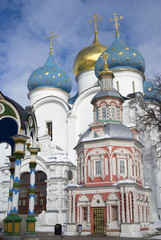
x: 40, y: 192
x: 8, y: 129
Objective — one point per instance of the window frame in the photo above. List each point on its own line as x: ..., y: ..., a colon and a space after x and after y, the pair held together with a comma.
x: 49, y: 126
x: 124, y: 161
x: 84, y: 213
x: 95, y: 167
x: 103, y: 113
x: 112, y: 213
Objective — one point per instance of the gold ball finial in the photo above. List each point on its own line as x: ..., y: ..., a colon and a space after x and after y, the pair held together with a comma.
x: 116, y: 24
x: 51, y: 42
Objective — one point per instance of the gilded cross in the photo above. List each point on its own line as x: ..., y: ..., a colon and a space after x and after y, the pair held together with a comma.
x: 51, y: 42
x: 95, y: 19
x: 105, y: 56
x: 115, y: 19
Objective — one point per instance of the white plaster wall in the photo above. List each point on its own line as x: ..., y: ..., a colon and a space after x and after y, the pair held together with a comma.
x: 38, y: 94
x: 81, y: 116
x: 53, y: 111
x: 86, y: 80
x: 125, y: 79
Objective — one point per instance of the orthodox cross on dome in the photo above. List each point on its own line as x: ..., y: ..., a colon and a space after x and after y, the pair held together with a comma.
x: 51, y: 42
x: 116, y: 24
x: 95, y: 19
x: 105, y: 57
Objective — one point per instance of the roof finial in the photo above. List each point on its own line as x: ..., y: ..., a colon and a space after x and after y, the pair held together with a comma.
x: 116, y: 24
x: 105, y: 57
x: 95, y: 19
x: 51, y: 42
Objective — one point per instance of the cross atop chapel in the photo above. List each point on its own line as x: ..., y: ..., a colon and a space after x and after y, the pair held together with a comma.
x: 51, y: 42
x: 116, y: 24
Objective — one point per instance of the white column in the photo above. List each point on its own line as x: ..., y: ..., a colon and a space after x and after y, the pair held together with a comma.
x: 119, y: 220
x: 135, y: 208
x: 69, y: 206
x: 81, y: 171
x: 32, y: 165
x: 103, y: 168
x: 140, y: 212
x: 118, y: 175
x: 85, y: 172
x: 12, y: 170
x: 107, y: 221
x: 127, y: 207
x: 110, y: 161
x: 149, y: 209
x: 122, y: 205
x: 20, y: 141
x: 73, y: 218
x: 78, y: 170
x: 88, y: 213
x: 131, y: 207
x: 144, y: 210
x: 92, y: 168
x: 128, y: 161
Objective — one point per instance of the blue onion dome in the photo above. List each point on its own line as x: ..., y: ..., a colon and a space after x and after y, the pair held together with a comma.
x: 151, y: 93
x: 49, y: 76
x: 121, y: 57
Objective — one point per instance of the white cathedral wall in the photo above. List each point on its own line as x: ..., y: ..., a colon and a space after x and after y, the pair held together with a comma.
x: 125, y: 81
x: 86, y: 80
x: 81, y: 116
x: 38, y: 94
x: 53, y: 110
x: 5, y: 151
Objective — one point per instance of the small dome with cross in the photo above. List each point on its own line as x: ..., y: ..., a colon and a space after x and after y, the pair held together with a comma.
x: 49, y: 76
x: 120, y: 56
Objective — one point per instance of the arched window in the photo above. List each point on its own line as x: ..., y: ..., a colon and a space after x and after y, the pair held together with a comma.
x: 113, y: 111
x: 103, y: 111
x: 24, y: 193
x: 40, y: 192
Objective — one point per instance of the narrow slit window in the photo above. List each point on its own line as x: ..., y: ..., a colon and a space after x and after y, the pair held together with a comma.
x: 49, y: 128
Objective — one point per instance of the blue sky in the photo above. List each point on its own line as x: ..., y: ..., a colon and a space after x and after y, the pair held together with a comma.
x: 25, y: 25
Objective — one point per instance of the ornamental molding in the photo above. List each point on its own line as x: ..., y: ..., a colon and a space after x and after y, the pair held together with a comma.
x: 83, y: 198
x: 113, y: 197
x: 97, y: 201
x: 112, y: 142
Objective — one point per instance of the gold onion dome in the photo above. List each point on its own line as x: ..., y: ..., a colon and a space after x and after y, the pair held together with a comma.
x: 87, y: 57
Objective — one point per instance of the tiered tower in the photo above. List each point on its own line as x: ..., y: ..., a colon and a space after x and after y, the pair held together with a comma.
x: 111, y: 197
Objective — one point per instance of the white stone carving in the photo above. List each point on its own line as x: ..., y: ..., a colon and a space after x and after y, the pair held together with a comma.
x: 112, y: 196
x: 97, y: 201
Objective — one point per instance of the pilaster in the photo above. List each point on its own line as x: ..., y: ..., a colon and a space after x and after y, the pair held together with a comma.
x: 12, y: 171
x: 31, y: 218
x: 12, y: 222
